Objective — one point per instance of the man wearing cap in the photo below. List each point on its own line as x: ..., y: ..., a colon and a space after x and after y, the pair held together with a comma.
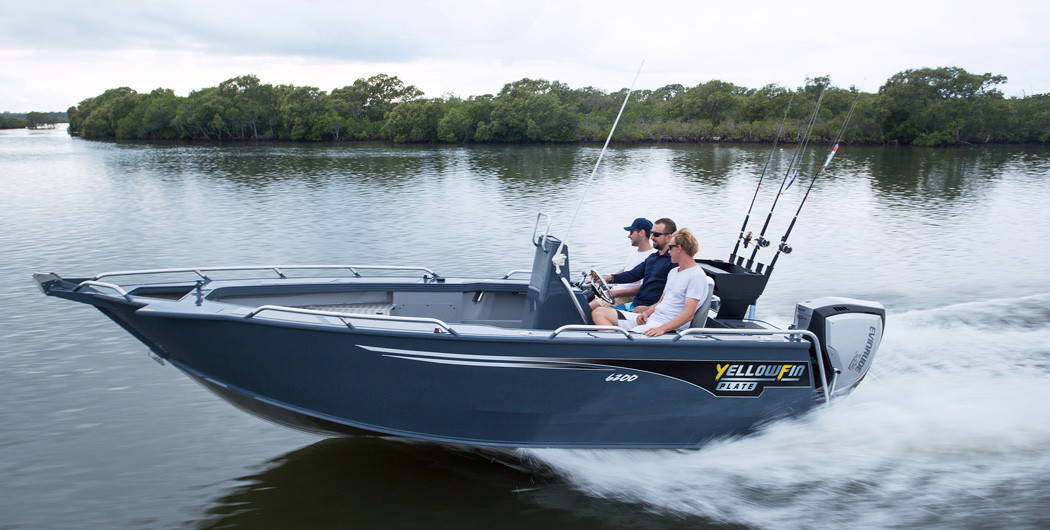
x: 652, y: 271
x: 687, y: 288
x: 638, y: 233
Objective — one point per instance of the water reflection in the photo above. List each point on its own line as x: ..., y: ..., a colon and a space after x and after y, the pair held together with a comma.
x: 366, y: 482
x: 717, y: 165
x: 255, y: 167
x: 536, y: 174
x: 945, y: 174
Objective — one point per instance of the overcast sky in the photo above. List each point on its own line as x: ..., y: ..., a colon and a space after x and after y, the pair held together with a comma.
x: 53, y: 54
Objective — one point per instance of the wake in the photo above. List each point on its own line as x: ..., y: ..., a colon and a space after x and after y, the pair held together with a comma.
x: 949, y: 428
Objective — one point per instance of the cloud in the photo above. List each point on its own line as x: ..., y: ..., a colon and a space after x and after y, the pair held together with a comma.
x: 394, y: 30
x: 220, y: 28
x: 65, y: 51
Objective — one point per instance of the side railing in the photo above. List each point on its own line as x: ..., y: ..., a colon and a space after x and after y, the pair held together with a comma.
x: 346, y: 318
x: 90, y: 283
x: 279, y: 270
x: 583, y: 327
x: 276, y: 269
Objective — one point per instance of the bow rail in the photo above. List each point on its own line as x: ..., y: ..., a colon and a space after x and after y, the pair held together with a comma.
x: 279, y: 270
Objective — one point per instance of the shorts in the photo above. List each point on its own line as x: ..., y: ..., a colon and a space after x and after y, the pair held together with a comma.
x: 629, y: 321
x: 619, y: 300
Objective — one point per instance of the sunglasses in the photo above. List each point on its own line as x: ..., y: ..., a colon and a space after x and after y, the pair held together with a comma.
x: 658, y: 234
x: 669, y: 247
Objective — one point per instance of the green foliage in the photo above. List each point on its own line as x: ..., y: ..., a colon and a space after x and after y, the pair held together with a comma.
x: 927, y: 106
x: 97, y: 117
x: 460, y: 122
x: 766, y: 102
x: 1036, y: 125
x: 37, y: 120
x: 32, y: 120
x: 941, y: 106
x: 716, y: 100
x: 528, y: 111
x: 414, y: 121
x: 10, y: 122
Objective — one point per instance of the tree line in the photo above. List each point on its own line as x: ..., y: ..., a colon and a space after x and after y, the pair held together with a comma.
x: 925, y: 106
x: 31, y: 120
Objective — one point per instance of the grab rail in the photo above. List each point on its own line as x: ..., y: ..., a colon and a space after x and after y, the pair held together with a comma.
x: 575, y: 302
x: 92, y: 283
x: 512, y: 273
x: 546, y: 231
x: 577, y: 327
x: 347, y: 316
x: 278, y: 269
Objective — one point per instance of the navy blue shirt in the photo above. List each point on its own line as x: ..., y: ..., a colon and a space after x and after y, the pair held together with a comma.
x: 653, y: 273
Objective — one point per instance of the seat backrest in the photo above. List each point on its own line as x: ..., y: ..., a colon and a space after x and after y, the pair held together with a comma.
x: 700, y: 317
x: 548, y: 304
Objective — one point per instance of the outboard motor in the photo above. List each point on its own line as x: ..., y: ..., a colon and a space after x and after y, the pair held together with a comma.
x: 849, y: 330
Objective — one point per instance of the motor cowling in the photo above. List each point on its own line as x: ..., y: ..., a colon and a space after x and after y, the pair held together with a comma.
x: 849, y: 331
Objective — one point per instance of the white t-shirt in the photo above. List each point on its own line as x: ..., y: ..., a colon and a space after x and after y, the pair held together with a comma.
x: 633, y: 259
x: 681, y: 284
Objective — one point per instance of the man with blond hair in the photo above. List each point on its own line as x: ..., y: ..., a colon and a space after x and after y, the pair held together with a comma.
x: 686, y: 288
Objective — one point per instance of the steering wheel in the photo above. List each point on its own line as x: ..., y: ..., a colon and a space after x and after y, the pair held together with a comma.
x: 601, y: 289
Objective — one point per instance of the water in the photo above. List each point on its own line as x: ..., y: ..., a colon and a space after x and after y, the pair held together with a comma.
x: 951, y: 429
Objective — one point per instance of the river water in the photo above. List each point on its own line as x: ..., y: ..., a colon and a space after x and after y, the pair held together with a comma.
x: 951, y: 428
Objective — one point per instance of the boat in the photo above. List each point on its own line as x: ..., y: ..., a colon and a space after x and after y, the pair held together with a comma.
x: 511, y: 361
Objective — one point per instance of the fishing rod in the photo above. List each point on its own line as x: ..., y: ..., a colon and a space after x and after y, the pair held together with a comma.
x: 559, y: 259
x: 783, y: 247
x: 800, y: 149
x: 732, y: 257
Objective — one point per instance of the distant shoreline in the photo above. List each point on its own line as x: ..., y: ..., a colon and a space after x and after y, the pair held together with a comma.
x: 31, y: 120
x: 922, y: 107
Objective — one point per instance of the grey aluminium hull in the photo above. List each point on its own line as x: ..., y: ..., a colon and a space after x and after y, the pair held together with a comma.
x: 486, y: 390
x: 508, y: 363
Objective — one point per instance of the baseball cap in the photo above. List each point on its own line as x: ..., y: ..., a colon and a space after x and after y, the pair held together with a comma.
x: 640, y: 223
